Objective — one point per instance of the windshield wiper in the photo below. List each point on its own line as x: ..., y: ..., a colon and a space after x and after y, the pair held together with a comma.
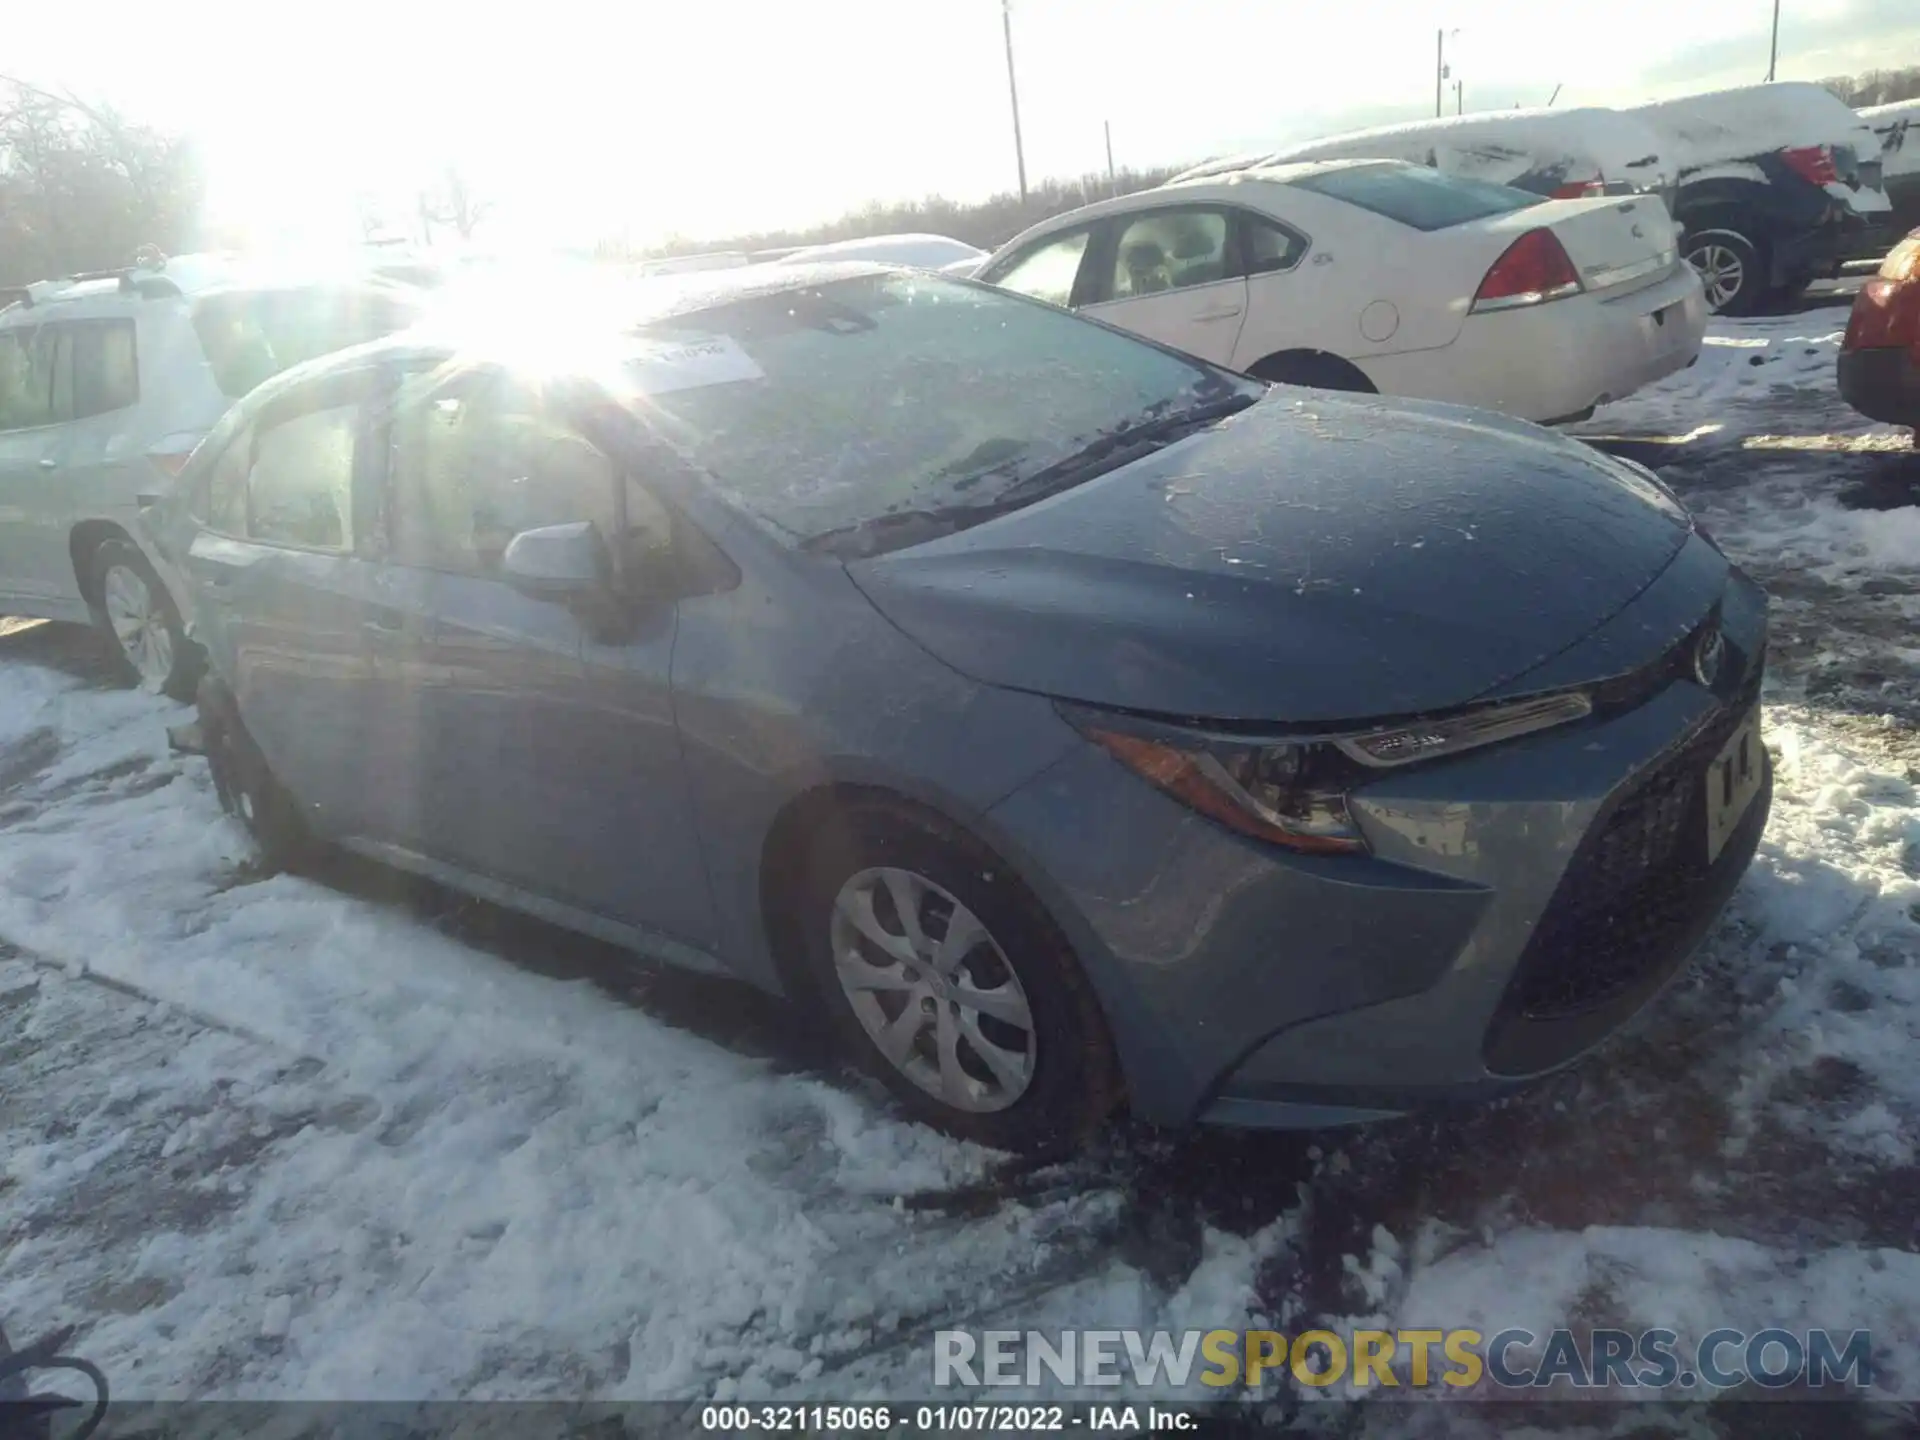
x: 1117, y: 447
x: 1109, y: 451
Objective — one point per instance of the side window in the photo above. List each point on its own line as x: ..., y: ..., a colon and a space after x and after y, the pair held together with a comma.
x: 1268, y: 246
x: 26, y: 378
x: 300, y: 488
x: 649, y: 525
x: 105, y: 373
x: 57, y: 341
x: 1169, y: 250
x: 471, y: 468
x: 225, y: 506
x: 1047, y: 273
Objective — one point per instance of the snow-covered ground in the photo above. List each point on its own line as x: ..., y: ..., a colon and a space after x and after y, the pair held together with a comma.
x: 350, y: 1137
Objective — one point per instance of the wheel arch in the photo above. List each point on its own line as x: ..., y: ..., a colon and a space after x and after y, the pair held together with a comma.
x: 781, y: 871
x: 83, y: 541
x: 1292, y: 366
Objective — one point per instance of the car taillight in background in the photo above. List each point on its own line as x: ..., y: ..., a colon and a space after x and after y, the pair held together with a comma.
x: 1536, y: 268
x: 170, y: 453
x: 1581, y: 189
x: 1812, y: 163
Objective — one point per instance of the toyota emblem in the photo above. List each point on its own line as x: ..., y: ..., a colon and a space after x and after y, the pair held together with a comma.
x: 1708, y: 656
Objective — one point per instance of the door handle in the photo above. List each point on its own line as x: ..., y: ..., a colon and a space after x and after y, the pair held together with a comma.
x: 47, y: 462
x: 387, y: 624
x: 1206, y: 315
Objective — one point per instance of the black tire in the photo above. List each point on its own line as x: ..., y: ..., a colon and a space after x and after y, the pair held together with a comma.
x: 1713, y: 251
x: 245, y: 783
x: 180, y: 673
x: 1075, y: 1083
x: 1321, y: 372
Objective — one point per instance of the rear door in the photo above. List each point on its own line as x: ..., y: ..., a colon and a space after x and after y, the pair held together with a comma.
x: 287, y: 605
x: 1292, y: 304
x: 30, y: 357
x: 1172, y: 274
x: 98, y: 463
x: 527, y: 741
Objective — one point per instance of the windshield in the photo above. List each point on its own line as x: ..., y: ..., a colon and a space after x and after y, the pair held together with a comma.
x: 828, y: 411
x: 1416, y: 196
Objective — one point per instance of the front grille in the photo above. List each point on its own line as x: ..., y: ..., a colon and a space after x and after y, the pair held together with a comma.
x: 1635, y: 882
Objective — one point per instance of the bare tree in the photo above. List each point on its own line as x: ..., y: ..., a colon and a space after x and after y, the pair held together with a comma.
x: 83, y: 188
x: 451, y: 202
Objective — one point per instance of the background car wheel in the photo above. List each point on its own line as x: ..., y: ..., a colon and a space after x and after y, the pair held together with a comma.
x: 139, y: 619
x: 1323, y: 372
x: 1730, y: 269
x: 245, y: 784
x: 937, y: 968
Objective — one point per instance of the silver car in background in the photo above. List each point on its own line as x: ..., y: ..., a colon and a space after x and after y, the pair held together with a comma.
x: 107, y: 382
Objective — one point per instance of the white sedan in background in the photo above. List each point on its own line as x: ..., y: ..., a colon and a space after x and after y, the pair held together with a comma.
x: 1376, y: 275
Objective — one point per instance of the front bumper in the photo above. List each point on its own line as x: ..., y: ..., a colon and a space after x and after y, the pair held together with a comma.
x: 1250, y: 986
x: 1882, y: 383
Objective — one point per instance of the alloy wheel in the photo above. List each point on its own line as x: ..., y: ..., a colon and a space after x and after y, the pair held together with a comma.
x: 1722, y: 272
x: 933, y: 989
x: 139, y: 624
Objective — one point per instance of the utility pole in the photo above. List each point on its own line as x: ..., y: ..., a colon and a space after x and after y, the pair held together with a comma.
x: 1439, y: 70
x: 1013, y: 94
x: 1773, y: 52
x: 1459, y: 97
x: 1112, y: 183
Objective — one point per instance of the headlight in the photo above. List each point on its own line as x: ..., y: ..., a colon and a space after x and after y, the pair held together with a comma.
x: 1293, y: 792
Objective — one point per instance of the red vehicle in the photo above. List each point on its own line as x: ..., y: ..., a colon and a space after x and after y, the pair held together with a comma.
x: 1880, y: 359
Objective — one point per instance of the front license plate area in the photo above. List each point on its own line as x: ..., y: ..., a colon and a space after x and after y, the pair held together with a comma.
x: 1733, y: 779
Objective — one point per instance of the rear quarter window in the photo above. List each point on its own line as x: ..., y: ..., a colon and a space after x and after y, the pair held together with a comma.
x: 250, y: 336
x: 1415, y: 196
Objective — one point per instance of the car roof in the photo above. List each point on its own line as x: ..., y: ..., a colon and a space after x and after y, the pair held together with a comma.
x: 115, y: 292
x: 1206, y: 187
x: 629, y: 305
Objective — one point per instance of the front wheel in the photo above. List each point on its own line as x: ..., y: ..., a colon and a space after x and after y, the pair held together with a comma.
x: 943, y: 974
x: 1730, y: 269
x: 246, y: 786
x: 135, y: 613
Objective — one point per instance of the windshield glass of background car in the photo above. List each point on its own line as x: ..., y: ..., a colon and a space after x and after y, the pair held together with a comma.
x: 251, y: 336
x: 828, y: 408
x: 1417, y: 196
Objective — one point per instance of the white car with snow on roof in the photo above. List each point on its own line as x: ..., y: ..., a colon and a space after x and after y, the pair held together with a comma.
x: 1560, y: 154
x: 1382, y: 276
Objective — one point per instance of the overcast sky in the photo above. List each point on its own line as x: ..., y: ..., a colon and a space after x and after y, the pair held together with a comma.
x: 705, y: 117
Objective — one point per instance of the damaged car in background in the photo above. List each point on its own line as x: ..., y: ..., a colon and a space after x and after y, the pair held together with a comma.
x: 1061, y: 721
x: 1779, y: 185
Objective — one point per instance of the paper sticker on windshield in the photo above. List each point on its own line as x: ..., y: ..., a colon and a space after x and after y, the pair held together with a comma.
x: 688, y: 364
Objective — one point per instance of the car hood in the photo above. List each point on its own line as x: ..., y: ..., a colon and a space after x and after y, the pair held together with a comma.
x: 1316, y: 557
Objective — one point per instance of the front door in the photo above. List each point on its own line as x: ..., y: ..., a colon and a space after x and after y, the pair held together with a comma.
x: 1171, y: 275
x: 537, y: 743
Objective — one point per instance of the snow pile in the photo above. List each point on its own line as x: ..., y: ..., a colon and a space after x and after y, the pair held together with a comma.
x: 1729, y: 125
x: 1508, y: 147
x: 534, y: 1177
x: 1897, y: 127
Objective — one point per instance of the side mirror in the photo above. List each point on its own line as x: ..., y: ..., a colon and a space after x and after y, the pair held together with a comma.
x: 558, y: 562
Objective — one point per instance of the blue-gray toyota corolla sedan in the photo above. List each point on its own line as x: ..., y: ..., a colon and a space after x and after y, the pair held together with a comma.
x: 1062, y: 721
